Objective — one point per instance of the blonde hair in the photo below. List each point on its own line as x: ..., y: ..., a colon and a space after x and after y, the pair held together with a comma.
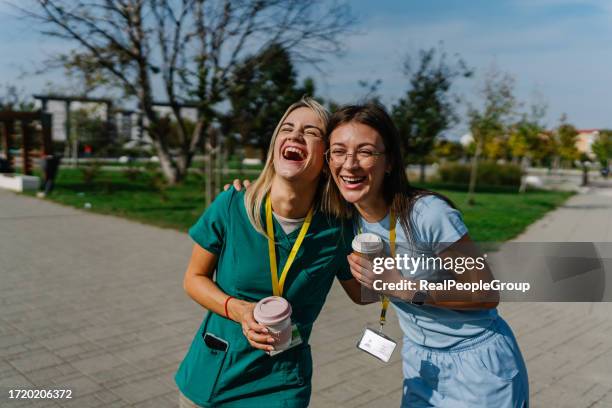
x: 256, y: 193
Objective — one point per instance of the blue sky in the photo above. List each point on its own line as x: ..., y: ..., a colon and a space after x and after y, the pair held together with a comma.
x: 559, y: 51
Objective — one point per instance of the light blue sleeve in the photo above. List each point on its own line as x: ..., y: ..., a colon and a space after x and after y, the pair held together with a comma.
x: 436, y: 224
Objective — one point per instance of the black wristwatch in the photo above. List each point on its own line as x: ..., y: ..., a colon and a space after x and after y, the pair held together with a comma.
x: 419, y: 298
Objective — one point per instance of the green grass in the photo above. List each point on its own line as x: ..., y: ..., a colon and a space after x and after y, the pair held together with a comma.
x: 113, y: 193
x: 498, y: 215
x: 231, y: 165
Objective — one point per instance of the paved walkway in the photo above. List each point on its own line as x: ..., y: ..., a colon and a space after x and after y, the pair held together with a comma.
x: 94, y: 304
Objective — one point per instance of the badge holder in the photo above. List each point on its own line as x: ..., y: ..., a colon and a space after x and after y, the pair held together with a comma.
x: 377, y: 344
x: 374, y: 342
x: 296, y: 340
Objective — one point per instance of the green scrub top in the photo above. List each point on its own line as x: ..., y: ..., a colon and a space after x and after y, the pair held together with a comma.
x: 244, y: 376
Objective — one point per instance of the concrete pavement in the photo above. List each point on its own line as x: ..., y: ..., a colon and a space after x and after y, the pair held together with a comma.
x: 90, y: 303
x: 94, y: 304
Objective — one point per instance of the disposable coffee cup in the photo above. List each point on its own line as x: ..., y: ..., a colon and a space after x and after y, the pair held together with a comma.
x: 274, y: 312
x: 368, y: 245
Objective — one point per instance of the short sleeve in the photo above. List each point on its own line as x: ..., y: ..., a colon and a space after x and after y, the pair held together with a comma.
x: 210, y: 230
x: 344, y: 248
x: 436, y: 224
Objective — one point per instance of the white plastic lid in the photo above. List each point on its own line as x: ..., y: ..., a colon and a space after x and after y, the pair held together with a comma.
x: 367, y: 243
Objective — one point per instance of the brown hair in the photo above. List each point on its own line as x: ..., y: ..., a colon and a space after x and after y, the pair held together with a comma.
x: 399, y: 195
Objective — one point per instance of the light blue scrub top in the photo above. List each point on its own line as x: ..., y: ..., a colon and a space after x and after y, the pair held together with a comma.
x: 435, y: 225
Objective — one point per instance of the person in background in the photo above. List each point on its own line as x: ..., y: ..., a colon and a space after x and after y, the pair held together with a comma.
x: 50, y: 167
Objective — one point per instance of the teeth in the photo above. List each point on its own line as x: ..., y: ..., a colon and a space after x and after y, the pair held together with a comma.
x: 295, y: 150
x: 352, y: 179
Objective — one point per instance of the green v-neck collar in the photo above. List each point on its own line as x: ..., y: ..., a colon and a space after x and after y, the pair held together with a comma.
x: 279, y: 234
x: 289, y: 239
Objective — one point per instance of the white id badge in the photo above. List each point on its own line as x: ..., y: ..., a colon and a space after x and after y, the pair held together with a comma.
x: 377, y: 344
x: 296, y: 340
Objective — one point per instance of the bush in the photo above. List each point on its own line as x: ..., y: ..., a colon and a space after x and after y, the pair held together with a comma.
x: 157, y: 181
x: 132, y: 172
x: 91, y: 172
x: 489, y: 174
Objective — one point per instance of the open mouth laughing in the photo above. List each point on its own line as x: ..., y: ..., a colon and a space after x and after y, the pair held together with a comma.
x: 294, y: 153
x: 352, y: 182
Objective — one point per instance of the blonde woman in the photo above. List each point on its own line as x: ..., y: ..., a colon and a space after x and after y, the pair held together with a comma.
x: 227, y: 364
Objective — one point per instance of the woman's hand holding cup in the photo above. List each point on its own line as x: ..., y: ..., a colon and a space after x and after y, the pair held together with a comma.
x: 256, y: 334
x: 366, y: 247
x: 361, y: 269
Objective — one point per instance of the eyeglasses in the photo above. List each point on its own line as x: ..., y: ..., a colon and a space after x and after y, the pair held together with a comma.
x: 364, y: 157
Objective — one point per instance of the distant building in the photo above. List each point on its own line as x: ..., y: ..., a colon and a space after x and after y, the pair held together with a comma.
x: 585, y: 139
x: 129, y: 125
x: 58, y: 110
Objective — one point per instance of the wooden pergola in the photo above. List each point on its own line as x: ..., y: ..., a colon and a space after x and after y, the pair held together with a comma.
x: 8, y: 120
x: 68, y: 100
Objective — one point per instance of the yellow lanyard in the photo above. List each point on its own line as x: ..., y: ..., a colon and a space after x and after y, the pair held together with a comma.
x: 384, y: 300
x: 277, y: 285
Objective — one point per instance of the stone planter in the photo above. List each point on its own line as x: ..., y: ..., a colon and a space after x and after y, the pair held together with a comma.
x: 19, y: 182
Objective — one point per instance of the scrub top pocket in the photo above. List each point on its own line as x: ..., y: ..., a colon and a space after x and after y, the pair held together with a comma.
x: 197, y: 384
x: 290, y: 368
x: 214, y: 361
x: 300, y: 373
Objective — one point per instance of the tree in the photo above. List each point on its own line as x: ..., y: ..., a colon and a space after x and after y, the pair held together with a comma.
x: 261, y: 89
x: 496, y: 147
x: 371, y: 90
x: 187, y: 47
x: 567, y: 136
x: 13, y: 99
x: 528, y: 142
x: 448, y: 149
x: 546, y: 149
x: 602, y: 148
x: 428, y: 108
x: 492, y: 120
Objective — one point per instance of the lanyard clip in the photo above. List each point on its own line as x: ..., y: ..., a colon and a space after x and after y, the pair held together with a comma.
x: 383, y: 312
